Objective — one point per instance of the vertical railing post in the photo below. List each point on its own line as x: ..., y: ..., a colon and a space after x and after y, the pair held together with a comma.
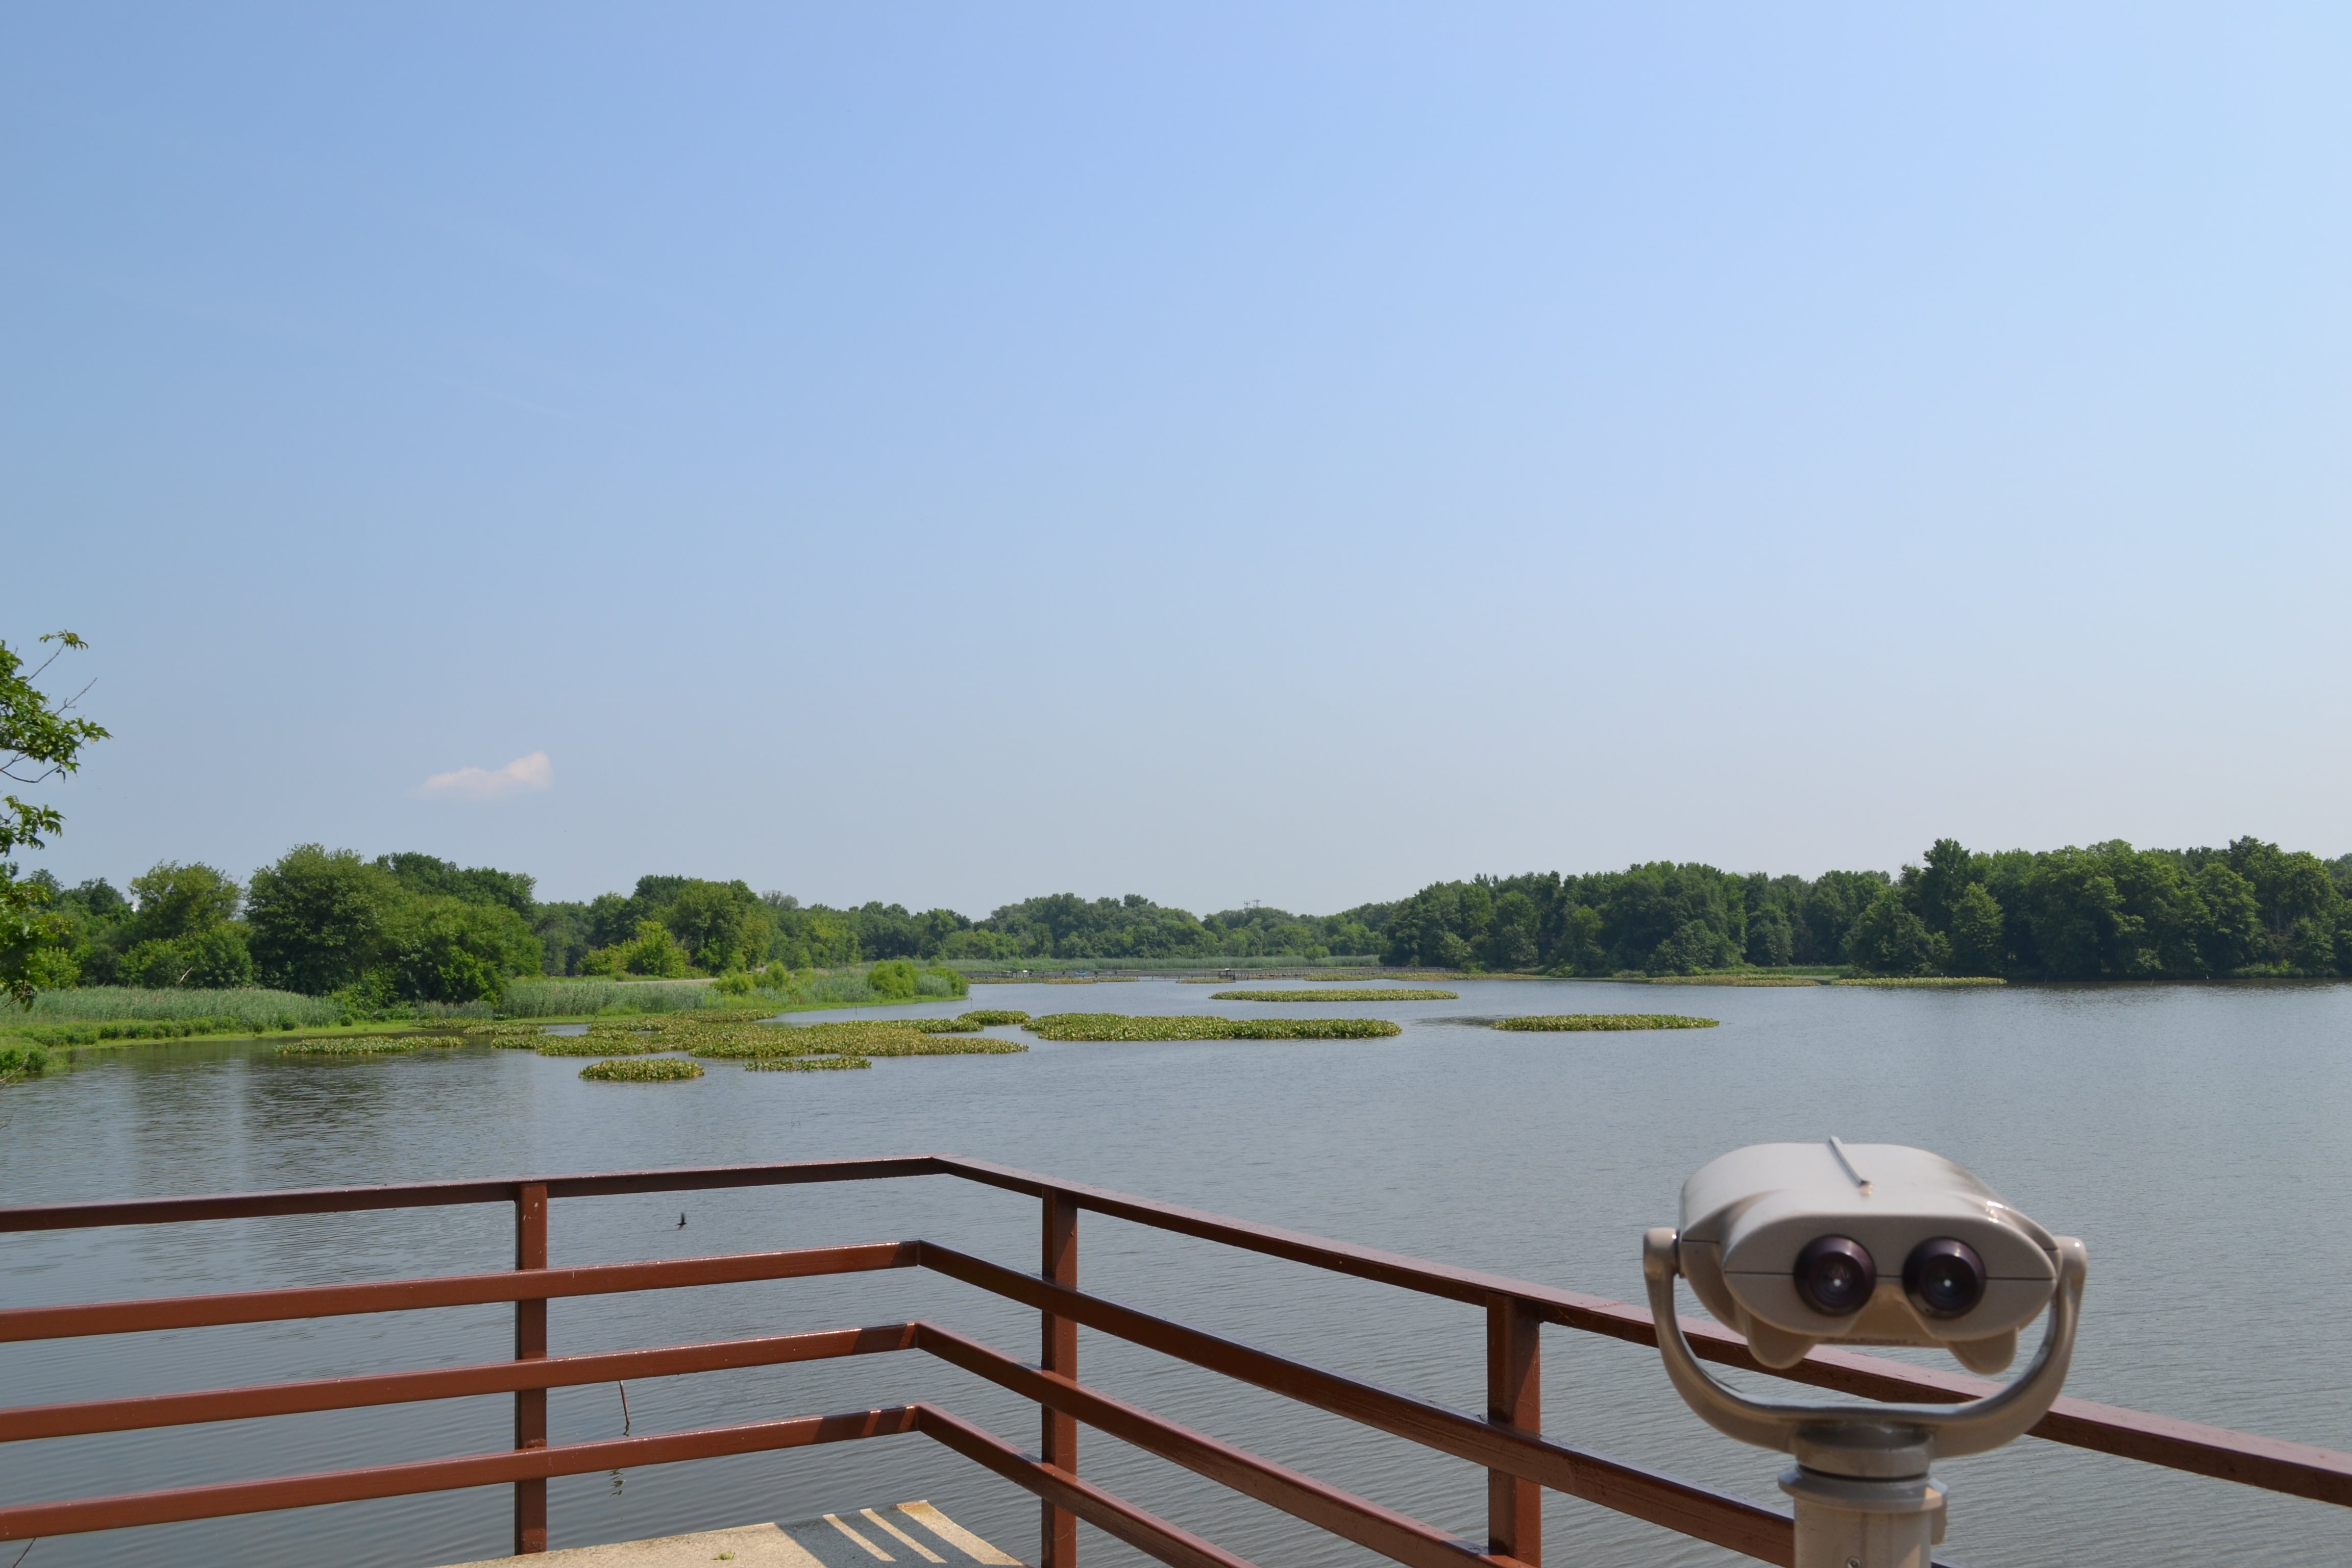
x: 531, y: 1344
x: 1059, y: 1446
x: 1515, y: 1399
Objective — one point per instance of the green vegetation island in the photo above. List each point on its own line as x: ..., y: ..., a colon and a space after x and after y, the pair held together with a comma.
x: 367, y: 937
x: 326, y: 938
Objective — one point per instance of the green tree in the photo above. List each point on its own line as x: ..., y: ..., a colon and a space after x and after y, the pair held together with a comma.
x: 653, y: 952
x: 2229, y: 929
x: 1890, y: 939
x: 1771, y: 936
x: 319, y: 919
x: 893, y: 978
x: 1577, y: 949
x: 1692, y: 948
x: 721, y: 925
x: 39, y: 740
x: 433, y: 877
x: 1511, y: 933
x: 210, y: 957
x: 447, y: 949
x: 174, y: 901
x: 1936, y: 889
x: 1978, y: 932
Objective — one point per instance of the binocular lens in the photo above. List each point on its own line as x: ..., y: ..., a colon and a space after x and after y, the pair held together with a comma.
x: 1944, y: 1278
x: 1835, y: 1275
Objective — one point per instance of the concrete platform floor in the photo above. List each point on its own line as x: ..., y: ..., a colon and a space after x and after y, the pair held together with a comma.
x: 912, y: 1533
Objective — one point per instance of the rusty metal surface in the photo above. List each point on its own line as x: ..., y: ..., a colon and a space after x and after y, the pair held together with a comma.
x: 1114, y: 1516
x: 1716, y: 1517
x: 147, y: 1411
x: 1514, y: 1399
x: 445, y: 1291
x: 432, y: 1194
x: 531, y: 1344
x: 1058, y: 1527
x: 1393, y: 1535
x: 27, y: 1521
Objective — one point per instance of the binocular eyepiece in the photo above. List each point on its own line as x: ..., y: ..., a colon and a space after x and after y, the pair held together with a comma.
x: 1943, y: 1278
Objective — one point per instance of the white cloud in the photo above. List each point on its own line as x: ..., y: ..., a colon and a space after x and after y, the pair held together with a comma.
x: 520, y: 776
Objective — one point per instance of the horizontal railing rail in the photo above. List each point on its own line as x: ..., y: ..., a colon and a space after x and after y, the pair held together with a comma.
x: 1508, y: 1442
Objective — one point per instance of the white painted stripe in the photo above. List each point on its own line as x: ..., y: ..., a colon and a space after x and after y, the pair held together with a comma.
x: 956, y: 1535
x: 834, y: 1520
x: 921, y: 1550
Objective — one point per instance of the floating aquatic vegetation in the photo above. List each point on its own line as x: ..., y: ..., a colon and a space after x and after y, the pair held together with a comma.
x: 1570, y: 1022
x: 1368, y: 994
x: 1121, y: 1026
x: 602, y: 1045
x: 1736, y: 980
x: 642, y: 1069
x: 943, y: 1046
x: 366, y: 1046
x: 1312, y: 1029
x: 725, y: 1050
x: 944, y: 1025
x: 804, y: 1064
x: 985, y: 1016
x: 1925, y: 981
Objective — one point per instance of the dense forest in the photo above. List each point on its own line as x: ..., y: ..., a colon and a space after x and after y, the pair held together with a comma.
x: 415, y: 927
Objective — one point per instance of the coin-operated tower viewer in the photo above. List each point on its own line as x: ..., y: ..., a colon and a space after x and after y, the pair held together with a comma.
x: 1795, y: 1245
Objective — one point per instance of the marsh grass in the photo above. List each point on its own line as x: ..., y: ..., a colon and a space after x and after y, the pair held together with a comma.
x: 247, y: 1008
x: 1923, y: 982
x: 804, y: 1064
x: 1121, y: 1026
x: 660, y: 1069
x: 1573, y: 1022
x: 373, y: 1045
x: 1379, y: 993
x: 565, y: 998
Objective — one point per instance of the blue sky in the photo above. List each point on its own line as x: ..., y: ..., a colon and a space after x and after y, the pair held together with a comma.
x: 947, y: 453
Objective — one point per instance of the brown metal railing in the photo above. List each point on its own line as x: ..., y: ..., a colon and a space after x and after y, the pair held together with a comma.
x: 1507, y: 1440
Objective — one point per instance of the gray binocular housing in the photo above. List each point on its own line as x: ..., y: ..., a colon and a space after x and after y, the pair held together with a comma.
x: 1864, y: 1244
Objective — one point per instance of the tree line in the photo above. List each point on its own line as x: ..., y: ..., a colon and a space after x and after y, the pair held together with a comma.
x: 413, y: 927
x: 2106, y: 912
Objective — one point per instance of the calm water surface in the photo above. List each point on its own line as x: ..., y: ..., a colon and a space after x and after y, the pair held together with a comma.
x: 2199, y: 1139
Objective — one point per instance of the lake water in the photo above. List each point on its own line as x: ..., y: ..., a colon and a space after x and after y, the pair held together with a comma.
x: 2200, y: 1139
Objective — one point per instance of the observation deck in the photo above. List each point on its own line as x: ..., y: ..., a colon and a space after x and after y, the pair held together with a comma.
x: 1505, y: 1438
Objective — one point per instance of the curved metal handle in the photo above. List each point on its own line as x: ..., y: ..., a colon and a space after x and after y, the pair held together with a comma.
x: 1951, y: 1429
